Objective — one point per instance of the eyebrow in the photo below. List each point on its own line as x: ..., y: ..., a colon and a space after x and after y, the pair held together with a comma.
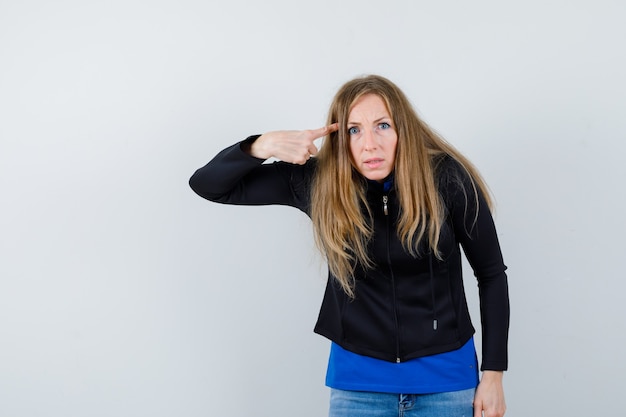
x: 375, y: 121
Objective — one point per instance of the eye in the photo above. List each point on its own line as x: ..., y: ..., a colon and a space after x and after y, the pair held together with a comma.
x: 353, y: 130
x: 384, y: 125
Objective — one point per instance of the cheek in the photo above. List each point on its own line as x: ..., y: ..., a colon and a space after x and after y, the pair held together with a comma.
x: 391, y: 151
x: 354, y: 152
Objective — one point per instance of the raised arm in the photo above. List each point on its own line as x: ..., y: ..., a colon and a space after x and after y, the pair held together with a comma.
x: 237, y: 174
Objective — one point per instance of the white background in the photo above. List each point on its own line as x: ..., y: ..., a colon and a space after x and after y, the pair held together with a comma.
x: 122, y: 293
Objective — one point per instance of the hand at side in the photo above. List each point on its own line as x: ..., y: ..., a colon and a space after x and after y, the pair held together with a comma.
x: 489, y: 396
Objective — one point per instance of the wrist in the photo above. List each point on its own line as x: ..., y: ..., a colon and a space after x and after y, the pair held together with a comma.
x: 258, y: 148
x: 495, y: 376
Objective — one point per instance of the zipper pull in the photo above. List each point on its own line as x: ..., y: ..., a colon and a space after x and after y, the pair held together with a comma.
x: 385, y: 199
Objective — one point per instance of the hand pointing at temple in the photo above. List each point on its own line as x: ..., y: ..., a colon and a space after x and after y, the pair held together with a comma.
x: 294, y: 146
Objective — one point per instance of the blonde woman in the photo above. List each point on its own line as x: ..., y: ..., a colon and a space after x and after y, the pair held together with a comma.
x: 392, y: 205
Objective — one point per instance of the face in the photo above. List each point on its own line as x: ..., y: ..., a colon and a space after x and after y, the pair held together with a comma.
x: 373, y: 138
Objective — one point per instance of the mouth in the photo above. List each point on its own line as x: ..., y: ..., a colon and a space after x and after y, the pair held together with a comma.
x: 373, y: 162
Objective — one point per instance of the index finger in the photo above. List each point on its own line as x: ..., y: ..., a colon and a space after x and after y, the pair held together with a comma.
x: 323, y: 131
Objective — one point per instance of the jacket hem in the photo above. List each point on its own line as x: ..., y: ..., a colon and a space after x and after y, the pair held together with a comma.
x: 390, y: 357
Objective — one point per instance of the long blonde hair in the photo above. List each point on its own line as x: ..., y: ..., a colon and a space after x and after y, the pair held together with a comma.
x: 341, y: 228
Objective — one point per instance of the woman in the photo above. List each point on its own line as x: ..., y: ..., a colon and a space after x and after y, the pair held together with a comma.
x: 391, y: 205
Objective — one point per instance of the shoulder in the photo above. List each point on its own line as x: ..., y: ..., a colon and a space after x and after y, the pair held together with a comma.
x: 454, y: 182
x: 449, y: 173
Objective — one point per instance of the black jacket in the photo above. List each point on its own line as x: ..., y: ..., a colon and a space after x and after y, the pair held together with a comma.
x: 405, y: 307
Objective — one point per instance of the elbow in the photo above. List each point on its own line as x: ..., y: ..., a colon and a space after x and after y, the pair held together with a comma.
x: 198, y: 186
x: 194, y: 183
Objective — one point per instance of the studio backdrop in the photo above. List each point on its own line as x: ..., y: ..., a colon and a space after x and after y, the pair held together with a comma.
x: 124, y: 294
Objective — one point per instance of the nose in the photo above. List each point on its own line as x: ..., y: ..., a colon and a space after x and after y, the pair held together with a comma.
x: 369, y: 141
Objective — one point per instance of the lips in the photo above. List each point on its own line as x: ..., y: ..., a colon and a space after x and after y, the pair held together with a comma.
x: 373, y: 163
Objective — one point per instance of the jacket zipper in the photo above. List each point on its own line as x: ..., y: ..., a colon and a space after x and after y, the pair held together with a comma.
x: 393, y: 281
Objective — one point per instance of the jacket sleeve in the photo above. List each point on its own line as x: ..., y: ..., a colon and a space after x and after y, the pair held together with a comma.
x: 235, y: 177
x: 475, y: 230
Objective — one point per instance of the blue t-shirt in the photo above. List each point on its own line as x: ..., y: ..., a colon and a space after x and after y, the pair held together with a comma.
x: 449, y: 371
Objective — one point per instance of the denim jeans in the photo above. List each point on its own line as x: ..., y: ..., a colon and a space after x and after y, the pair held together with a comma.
x: 372, y: 404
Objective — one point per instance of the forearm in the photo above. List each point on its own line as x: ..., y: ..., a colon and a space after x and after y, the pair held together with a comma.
x: 495, y: 312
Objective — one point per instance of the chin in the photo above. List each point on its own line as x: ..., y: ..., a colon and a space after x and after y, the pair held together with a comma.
x: 376, y: 176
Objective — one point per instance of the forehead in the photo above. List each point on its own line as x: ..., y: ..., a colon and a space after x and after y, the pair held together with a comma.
x: 369, y: 103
